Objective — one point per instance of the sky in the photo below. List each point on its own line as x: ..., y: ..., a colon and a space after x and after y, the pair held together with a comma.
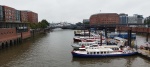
x: 74, y: 11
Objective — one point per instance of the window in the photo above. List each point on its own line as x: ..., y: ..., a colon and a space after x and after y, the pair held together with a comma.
x: 97, y: 52
x: 108, y: 52
x: 87, y: 52
x: 94, y: 52
x: 101, y: 52
x: 90, y: 52
x: 104, y: 52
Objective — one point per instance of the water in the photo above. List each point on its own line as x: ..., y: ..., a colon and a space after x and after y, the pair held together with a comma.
x: 54, y: 50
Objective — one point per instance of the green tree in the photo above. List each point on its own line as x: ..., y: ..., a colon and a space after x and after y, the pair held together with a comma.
x: 79, y: 23
x: 86, y: 23
x: 45, y: 22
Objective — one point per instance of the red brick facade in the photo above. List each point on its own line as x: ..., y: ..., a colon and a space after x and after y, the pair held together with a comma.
x: 7, y: 34
x: 9, y: 14
x: 32, y: 17
x: 104, y: 18
x: 12, y: 15
x: 26, y: 34
x: 24, y: 16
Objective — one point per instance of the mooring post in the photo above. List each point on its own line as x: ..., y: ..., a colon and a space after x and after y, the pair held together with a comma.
x: 147, y: 34
x: 129, y: 37
x: 106, y: 32
x: 89, y: 32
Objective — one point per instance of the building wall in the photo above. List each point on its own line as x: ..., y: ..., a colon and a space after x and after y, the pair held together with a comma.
x: 18, y: 16
x: 104, y: 18
x: 123, y: 18
x: 1, y: 13
x: 26, y: 34
x: 132, y: 19
x: 24, y: 16
x: 7, y: 34
x: 135, y: 19
x: 32, y: 17
x: 10, y: 14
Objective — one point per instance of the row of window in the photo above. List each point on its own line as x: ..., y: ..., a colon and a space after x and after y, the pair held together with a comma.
x: 4, y: 33
x: 104, y: 52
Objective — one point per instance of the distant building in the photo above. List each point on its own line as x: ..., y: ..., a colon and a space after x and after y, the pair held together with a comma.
x: 123, y: 18
x: 104, y: 18
x: 86, y: 20
x: 147, y: 20
x: 135, y: 19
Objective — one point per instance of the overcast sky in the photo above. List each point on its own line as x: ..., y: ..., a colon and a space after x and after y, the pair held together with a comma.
x: 74, y: 11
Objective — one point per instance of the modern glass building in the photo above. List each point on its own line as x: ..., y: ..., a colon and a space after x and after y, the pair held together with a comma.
x: 123, y: 18
x: 18, y: 16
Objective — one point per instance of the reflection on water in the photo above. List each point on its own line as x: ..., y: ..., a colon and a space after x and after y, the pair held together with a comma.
x: 131, y: 61
x: 54, y: 50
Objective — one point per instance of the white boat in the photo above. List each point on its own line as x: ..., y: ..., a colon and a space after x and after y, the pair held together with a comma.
x: 102, y: 51
x: 79, y: 39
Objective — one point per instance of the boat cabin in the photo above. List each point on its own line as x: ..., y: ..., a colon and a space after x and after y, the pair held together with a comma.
x: 99, y: 51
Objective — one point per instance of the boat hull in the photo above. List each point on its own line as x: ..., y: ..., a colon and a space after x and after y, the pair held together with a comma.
x: 98, y: 56
x: 77, y: 40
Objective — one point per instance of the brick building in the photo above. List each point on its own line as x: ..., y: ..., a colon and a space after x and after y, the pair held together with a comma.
x: 1, y: 13
x: 24, y: 16
x: 32, y: 17
x: 9, y: 14
x: 104, y: 18
x: 12, y: 30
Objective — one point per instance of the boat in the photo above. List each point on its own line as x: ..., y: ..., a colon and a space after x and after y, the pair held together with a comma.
x: 103, y: 51
x: 81, y: 33
x: 80, y: 39
x: 121, y: 35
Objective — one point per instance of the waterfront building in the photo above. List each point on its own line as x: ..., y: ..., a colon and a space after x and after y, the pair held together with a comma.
x: 1, y: 13
x: 32, y: 17
x: 24, y: 16
x: 18, y: 16
x: 12, y: 29
x: 9, y: 14
x: 104, y: 18
x: 123, y: 18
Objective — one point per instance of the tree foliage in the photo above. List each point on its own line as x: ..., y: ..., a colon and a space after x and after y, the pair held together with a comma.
x: 79, y: 23
x: 43, y: 24
x: 86, y: 23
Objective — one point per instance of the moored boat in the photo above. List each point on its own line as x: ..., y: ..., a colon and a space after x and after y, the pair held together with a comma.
x: 102, y: 51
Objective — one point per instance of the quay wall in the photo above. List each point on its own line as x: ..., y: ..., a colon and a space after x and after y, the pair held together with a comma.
x: 26, y: 35
x: 10, y: 37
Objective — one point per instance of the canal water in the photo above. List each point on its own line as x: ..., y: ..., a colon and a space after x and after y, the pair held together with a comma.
x: 54, y: 50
